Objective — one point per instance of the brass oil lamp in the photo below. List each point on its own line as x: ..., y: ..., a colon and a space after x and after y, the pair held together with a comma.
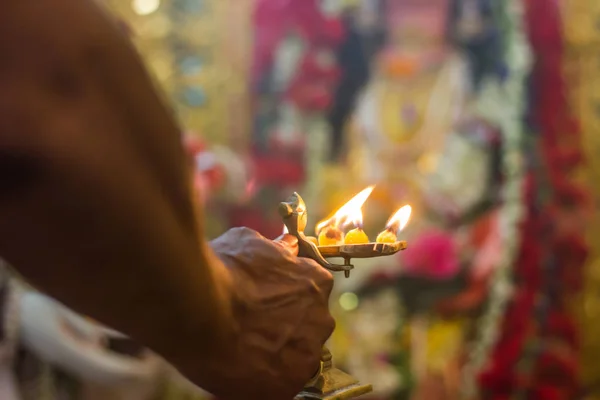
x: 331, y: 383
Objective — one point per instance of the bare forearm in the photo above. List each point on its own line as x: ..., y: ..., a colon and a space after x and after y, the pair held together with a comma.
x: 95, y: 204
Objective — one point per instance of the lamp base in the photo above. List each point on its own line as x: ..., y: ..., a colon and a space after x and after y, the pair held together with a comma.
x: 334, y: 384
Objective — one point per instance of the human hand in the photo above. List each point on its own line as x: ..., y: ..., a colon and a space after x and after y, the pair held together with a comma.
x: 280, y: 306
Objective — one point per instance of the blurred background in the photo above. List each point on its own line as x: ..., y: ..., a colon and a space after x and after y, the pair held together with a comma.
x: 480, y: 114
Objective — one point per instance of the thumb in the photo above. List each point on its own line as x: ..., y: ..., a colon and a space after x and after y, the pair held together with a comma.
x: 289, y: 242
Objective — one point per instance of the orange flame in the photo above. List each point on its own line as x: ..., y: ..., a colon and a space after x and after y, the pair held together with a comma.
x: 400, y: 219
x: 349, y: 213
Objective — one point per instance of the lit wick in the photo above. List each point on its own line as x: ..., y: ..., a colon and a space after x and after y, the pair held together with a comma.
x: 356, y: 235
x: 387, y: 236
x: 394, y: 225
x: 331, y: 235
x: 329, y: 231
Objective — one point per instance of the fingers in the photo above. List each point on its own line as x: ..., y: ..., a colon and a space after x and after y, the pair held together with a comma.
x: 322, y: 277
x: 289, y: 242
x: 251, y: 247
x: 253, y: 250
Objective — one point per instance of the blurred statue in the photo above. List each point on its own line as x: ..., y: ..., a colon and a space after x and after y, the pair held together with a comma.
x: 418, y: 91
x: 428, y: 146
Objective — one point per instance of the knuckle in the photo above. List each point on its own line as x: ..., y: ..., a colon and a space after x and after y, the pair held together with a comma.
x: 327, y: 328
x: 313, y: 359
x: 327, y: 282
x: 235, y: 239
x: 320, y: 273
x: 311, y: 366
x: 246, y: 232
x: 322, y: 278
x: 325, y: 285
x: 287, y: 242
x: 258, y: 248
x: 332, y: 325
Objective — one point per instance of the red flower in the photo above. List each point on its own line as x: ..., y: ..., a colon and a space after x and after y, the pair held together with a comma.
x: 547, y: 392
x: 555, y: 373
x: 569, y: 193
x: 433, y: 254
x: 333, y: 32
x: 557, y: 369
x: 565, y: 158
x: 468, y: 300
x: 193, y: 144
x: 278, y: 171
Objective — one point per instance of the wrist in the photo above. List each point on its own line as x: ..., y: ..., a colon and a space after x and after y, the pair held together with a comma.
x: 212, y: 325
x: 221, y: 324
x: 218, y: 336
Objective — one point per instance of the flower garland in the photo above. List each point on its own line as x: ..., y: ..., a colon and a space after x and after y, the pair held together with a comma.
x: 9, y: 332
x: 538, y: 335
x: 503, y: 103
x: 549, y: 359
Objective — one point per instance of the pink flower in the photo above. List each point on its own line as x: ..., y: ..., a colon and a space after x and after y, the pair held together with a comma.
x: 433, y: 254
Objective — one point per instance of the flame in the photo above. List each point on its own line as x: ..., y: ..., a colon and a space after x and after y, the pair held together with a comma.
x: 349, y: 213
x: 354, y: 218
x: 400, y: 219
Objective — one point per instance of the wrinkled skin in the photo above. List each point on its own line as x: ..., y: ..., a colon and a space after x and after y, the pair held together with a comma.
x: 281, y: 309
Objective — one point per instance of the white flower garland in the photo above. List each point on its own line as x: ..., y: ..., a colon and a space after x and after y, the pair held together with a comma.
x: 504, y: 105
x: 10, y: 342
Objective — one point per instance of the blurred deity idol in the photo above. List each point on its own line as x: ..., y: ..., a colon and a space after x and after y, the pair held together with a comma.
x: 417, y: 132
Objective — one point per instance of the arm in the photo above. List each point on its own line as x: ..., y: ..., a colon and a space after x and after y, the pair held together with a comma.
x: 95, y: 201
x: 95, y: 209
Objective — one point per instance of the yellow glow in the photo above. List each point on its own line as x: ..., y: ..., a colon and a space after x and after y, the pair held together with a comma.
x: 145, y: 7
x: 349, y: 213
x: 427, y: 163
x: 349, y: 301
